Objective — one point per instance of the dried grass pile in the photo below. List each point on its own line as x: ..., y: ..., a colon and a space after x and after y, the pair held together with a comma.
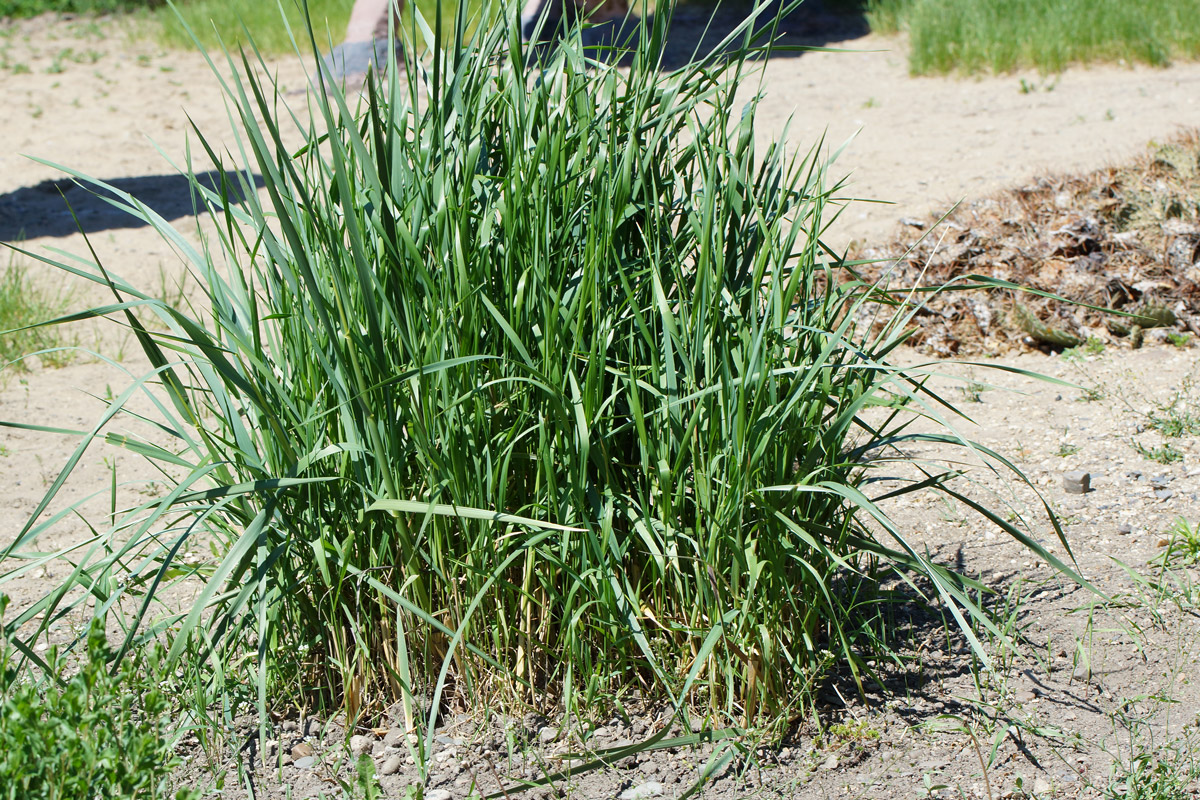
x: 1122, y: 239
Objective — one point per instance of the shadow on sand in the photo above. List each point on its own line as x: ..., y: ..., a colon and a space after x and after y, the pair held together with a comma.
x: 35, y: 211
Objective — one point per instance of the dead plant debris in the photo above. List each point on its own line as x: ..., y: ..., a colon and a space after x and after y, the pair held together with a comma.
x: 1121, y: 245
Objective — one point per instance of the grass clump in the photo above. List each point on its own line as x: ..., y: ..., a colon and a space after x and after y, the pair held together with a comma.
x: 94, y: 734
x: 524, y: 386
x: 23, y: 304
x: 1005, y: 35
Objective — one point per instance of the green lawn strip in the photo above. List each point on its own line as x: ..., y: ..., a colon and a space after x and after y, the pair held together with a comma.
x: 1004, y: 35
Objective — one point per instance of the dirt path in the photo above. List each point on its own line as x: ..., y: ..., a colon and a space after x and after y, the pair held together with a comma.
x: 85, y: 95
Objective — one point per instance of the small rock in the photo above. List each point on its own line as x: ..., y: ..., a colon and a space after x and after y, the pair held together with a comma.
x: 290, y: 726
x: 1041, y: 786
x: 1164, y: 542
x: 547, y: 735
x: 304, y: 763
x: 1125, y: 528
x: 302, y: 750
x: 393, y: 738
x: 642, y: 791
x: 830, y: 763
x: 359, y: 745
x: 391, y: 766
x: 438, y: 794
x: 1164, y: 494
x: 1078, y: 482
x: 1082, y: 672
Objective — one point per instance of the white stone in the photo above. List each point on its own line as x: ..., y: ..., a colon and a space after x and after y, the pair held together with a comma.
x: 643, y: 791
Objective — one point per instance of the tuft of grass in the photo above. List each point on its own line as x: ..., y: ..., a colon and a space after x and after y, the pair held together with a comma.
x: 24, y: 304
x: 525, y: 387
x: 1005, y: 35
x: 1183, y: 545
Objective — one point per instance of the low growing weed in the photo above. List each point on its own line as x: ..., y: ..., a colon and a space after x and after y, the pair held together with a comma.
x: 95, y: 734
x: 1165, y: 453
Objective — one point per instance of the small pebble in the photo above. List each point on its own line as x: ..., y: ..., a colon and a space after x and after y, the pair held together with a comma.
x: 438, y: 794
x: 393, y: 738
x: 304, y: 763
x: 830, y: 763
x: 391, y: 766
x: 547, y: 735
x: 302, y: 750
x: 359, y: 745
x: 1125, y: 528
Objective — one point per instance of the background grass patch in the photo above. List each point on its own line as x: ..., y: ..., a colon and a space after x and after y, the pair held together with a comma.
x: 1004, y: 35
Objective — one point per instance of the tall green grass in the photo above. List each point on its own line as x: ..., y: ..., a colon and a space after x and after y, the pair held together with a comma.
x: 515, y: 385
x: 1004, y: 35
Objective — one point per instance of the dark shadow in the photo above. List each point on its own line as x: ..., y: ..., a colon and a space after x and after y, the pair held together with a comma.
x: 35, y: 211
x: 699, y: 27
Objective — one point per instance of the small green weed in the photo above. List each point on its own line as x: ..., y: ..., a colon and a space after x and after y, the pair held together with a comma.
x: 1067, y: 449
x: 1165, y: 453
x: 973, y: 391
x: 1092, y: 347
x: 1179, y: 339
x: 853, y: 730
x: 1174, y: 419
x: 1154, y: 772
x: 88, y: 737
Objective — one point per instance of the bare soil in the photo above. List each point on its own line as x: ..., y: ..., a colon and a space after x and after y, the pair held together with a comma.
x: 1097, y: 690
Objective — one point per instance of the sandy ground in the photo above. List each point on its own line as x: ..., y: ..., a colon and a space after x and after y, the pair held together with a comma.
x: 86, y: 95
